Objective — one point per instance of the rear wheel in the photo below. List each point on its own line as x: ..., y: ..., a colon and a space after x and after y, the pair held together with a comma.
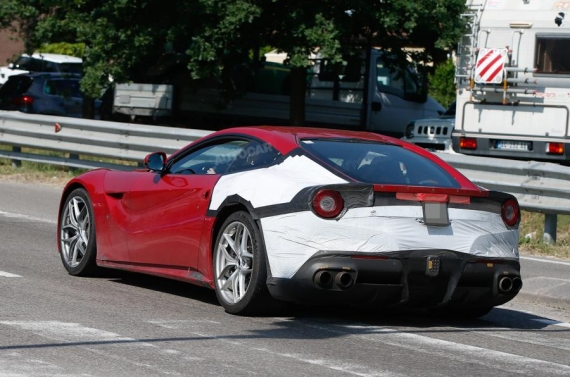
x: 240, y: 266
x: 78, y: 247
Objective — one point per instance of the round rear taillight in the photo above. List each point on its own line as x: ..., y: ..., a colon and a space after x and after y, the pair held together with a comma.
x: 328, y: 203
x: 510, y: 212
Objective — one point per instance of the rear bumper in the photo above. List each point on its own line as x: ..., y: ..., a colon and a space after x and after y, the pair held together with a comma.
x: 487, y: 146
x: 401, y: 279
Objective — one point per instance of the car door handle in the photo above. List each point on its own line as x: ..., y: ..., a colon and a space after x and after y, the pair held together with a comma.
x: 206, y: 194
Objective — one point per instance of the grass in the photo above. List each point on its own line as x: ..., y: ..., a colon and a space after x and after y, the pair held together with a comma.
x: 531, y: 228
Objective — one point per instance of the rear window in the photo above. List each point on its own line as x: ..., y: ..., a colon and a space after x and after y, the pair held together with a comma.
x: 15, y: 86
x: 551, y: 54
x: 373, y: 162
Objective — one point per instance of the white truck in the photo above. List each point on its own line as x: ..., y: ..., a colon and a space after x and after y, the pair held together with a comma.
x: 513, y: 80
x: 348, y: 96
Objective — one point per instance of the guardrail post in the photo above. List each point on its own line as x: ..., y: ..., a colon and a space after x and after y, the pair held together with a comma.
x: 550, y: 222
x: 16, y: 163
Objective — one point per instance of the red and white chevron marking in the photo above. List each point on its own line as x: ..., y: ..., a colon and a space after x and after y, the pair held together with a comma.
x: 490, y: 66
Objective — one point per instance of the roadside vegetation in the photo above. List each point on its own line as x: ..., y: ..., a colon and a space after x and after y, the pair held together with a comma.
x: 531, y: 229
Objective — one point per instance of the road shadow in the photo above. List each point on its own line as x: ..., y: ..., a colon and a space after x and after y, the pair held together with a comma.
x: 420, y: 321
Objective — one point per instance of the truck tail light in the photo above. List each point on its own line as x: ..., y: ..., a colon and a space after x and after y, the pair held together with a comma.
x: 510, y: 212
x: 555, y: 148
x: 467, y: 143
x: 328, y: 204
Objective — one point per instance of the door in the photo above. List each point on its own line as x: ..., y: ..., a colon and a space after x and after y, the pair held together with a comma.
x: 166, y: 214
x: 167, y: 210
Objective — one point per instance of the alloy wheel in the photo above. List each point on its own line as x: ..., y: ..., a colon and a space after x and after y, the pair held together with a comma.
x: 75, y: 230
x: 234, y: 262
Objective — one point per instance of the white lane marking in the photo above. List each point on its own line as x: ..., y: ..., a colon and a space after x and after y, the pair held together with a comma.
x: 64, y: 331
x: 462, y: 353
x: 520, y: 337
x: 546, y: 261
x: 8, y: 275
x: 16, y: 364
x: 334, y: 364
x: 76, y: 333
x: 177, y: 324
x: 26, y: 217
x: 552, y: 322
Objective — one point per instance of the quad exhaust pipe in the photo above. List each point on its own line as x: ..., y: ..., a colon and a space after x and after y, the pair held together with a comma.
x: 323, y: 279
x: 508, y: 284
x: 328, y: 279
x: 344, y: 280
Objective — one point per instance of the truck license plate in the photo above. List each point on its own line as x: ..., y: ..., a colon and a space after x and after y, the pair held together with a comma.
x: 516, y: 145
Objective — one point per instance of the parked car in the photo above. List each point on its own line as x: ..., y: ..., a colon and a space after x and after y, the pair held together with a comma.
x: 433, y: 134
x: 42, y: 63
x: 44, y: 93
x: 304, y: 215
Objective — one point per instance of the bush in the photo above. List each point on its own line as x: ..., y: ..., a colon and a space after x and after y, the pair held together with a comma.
x: 73, y: 49
x: 442, y: 83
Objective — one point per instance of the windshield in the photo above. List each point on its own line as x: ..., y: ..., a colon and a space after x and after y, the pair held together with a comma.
x: 373, y: 162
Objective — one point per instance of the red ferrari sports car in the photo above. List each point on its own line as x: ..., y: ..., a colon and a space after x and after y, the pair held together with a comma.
x: 301, y: 215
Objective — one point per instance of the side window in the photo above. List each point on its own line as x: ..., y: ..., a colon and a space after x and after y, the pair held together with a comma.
x: 389, y: 80
x: 49, y: 66
x: 395, y: 81
x: 211, y: 159
x: 254, y: 155
x: 63, y: 88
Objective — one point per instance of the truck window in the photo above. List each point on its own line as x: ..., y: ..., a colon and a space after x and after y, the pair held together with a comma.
x: 339, y: 82
x: 552, y: 54
x: 395, y: 81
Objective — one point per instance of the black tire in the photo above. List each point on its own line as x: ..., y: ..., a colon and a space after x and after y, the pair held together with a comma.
x: 229, y: 267
x: 77, y: 243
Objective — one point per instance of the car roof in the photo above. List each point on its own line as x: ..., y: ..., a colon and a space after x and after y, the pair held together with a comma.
x: 48, y: 75
x: 287, y: 138
x: 56, y: 58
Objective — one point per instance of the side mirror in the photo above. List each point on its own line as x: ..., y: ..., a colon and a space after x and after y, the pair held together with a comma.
x: 11, y: 66
x: 155, y: 162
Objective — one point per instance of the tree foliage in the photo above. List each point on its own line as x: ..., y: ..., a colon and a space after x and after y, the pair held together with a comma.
x: 123, y: 38
x: 441, y: 83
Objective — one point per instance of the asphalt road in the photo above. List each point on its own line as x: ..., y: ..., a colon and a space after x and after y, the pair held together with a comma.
x: 122, y: 324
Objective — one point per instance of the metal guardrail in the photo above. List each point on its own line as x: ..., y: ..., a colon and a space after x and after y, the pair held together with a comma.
x: 539, y: 187
x: 92, y: 139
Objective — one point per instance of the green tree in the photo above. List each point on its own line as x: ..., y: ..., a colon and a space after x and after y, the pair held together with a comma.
x: 123, y: 37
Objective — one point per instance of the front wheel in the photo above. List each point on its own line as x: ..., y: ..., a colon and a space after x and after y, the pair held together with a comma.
x: 78, y: 247
x: 240, y: 267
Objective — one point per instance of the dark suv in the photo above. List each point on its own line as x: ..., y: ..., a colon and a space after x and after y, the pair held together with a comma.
x: 44, y: 93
